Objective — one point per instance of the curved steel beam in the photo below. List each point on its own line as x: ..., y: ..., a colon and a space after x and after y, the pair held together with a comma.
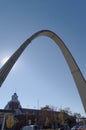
x: 76, y: 73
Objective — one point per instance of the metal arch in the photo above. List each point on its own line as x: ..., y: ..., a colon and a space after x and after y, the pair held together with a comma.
x: 76, y: 73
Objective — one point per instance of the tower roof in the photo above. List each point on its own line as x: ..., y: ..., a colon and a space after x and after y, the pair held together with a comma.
x: 13, y: 103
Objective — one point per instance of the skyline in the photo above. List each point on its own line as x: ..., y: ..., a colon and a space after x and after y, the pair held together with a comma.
x: 42, y: 64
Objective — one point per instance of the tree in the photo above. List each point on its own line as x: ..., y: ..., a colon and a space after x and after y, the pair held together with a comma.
x: 78, y: 116
x: 68, y: 111
x: 47, y: 122
x: 61, y: 117
x: 49, y: 116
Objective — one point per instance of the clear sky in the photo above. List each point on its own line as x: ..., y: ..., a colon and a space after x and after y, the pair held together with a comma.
x: 41, y: 75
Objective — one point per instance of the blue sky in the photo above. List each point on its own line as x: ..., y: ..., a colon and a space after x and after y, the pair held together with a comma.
x: 41, y: 75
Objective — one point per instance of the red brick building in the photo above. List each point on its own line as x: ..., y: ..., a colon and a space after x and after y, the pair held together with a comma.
x: 45, y: 117
x: 22, y: 116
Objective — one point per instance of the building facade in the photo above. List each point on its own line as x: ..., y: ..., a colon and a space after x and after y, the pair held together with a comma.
x: 22, y: 116
x: 15, y: 117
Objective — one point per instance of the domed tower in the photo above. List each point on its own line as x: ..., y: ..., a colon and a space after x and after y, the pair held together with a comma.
x: 13, y: 104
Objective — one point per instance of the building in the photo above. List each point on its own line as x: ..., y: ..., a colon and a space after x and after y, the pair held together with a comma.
x: 14, y: 116
x: 22, y: 116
